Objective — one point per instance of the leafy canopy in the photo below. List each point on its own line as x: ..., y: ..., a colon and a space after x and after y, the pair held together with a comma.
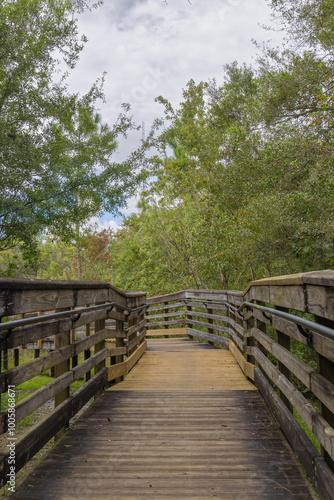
x: 54, y: 149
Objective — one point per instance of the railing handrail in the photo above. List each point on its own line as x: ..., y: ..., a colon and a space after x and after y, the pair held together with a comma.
x: 84, y: 349
x: 9, y: 325
x: 39, y: 284
x: 316, y: 327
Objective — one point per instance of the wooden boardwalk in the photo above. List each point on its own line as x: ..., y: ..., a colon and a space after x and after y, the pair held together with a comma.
x: 184, y: 424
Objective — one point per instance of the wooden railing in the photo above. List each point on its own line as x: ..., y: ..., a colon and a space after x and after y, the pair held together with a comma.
x: 73, y: 320
x: 281, y: 332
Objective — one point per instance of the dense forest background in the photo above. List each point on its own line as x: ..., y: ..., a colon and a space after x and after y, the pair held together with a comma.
x: 236, y: 184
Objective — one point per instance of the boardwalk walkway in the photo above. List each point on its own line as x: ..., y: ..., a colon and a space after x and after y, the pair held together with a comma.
x: 185, y: 424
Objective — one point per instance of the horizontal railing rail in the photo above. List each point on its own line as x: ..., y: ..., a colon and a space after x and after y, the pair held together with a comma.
x: 95, y: 333
x: 281, y: 332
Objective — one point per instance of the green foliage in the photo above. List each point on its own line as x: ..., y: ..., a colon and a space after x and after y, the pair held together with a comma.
x: 54, y: 148
x: 18, y: 262
x: 307, y: 431
x: 309, y: 22
x: 56, y: 260
x: 243, y: 171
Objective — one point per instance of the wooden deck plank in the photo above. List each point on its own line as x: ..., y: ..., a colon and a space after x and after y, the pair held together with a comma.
x: 176, y: 428
x: 183, y: 364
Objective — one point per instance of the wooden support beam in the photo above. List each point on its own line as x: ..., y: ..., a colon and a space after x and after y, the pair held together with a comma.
x: 262, y: 326
x: 246, y: 367
x: 118, y: 371
x: 210, y: 320
x: 87, y: 352
x: 326, y: 369
x: 250, y: 341
x: 99, y: 326
x: 284, y: 341
x: 172, y: 332
x: 62, y: 339
x: 119, y: 343
x: 16, y: 357
x: 166, y: 316
x: 189, y: 308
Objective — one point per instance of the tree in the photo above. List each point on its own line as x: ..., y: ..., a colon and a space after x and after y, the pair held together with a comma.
x: 84, y: 145
x: 243, y: 176
x: 39, y: 144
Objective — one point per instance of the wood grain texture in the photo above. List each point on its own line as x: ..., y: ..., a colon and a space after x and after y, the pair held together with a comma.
x: 41, y: 433
x: 20, y: 374
x: 222, y: 341
x: 29, y: 295
x: 171, y: 332
x: 316, y: 423
x: 173, y: 441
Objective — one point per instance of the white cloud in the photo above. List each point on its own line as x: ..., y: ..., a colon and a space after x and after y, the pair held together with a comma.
x: 96, y: 223
x: 132, y: 206
x: 149, y: 48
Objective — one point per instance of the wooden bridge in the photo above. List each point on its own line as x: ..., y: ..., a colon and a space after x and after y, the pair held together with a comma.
x: 197, y: 394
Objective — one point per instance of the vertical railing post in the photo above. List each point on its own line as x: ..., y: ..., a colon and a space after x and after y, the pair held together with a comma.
x: 284, y: 341
x: 141, y: 318
x: 210, y: 320
x: 5, y: 357
x: 166, y: 311
x: 100, y: 324
x: 132, y: 322
x: 250, y: 341
x: 75, y: 358
x: 239, y: 320
x: 119, y: 343
x: 326, y: 369
x: 39, y: 342
x: 230, y: 314
x: 16, y: 357
x: 189, y: 308
x: 87, y: 352
x: 0, y: 369
x: 261, y: 325
x: 62, y: 339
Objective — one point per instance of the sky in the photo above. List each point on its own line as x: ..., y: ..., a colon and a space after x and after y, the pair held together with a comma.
x: 153, y: 47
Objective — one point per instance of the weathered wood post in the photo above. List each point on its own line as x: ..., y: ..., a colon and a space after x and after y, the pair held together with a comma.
x: 284, y: 341
x: 16, y: 357
x: 99, y: 325
x: 119, y: 343
x: 210, y: 320
x: 250, y: 341
x: 75, y: 357
x: 326, y: 369
x: 189, y: 316
x: 166, y: 311
x: 39, y: 342
x: 87, y: 352
x: 131, y: 337
x: 62, y: 339
x: 262, y: 326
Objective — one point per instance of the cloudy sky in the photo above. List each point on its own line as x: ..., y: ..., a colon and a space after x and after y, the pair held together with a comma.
x: 152, y: 47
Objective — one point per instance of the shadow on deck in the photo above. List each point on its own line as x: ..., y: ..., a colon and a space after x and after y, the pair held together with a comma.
x: 181, y: 425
